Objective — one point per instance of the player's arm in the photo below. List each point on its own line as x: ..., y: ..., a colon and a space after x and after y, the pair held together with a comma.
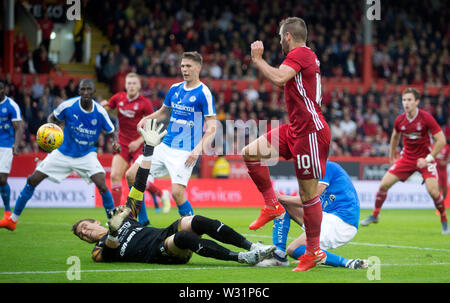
x: 278, y: 76
x: 104, y: 253
x: 52, y: 119
x: 205, y: 142
x: 17, y: 136
x: 113, y: 137
x: 161, y: 115
x: 395, y: 140
x: 152, y: 134
x: 439, y: 143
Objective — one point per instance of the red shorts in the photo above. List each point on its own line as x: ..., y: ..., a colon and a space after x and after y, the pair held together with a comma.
x: 403, y: 168
x: 128, y: 156
x: 443, y: 178
x: 310, y: 152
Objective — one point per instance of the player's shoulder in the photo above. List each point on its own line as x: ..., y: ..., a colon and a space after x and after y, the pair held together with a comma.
x: 425, y: 115
x: 303, y: 51
x: 177, y: 85
x: 99, y: 108
x: 10, y: 102
x: 205, y: 90
x: 69, y: 102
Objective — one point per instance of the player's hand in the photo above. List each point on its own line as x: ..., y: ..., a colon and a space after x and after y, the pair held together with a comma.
x: 257, y: 50
x: 116, y: 147
x: 15, y: 150
x: 191, y: 159
x: 421, y: 163
x: 151, y: 132
x: 117, y: 215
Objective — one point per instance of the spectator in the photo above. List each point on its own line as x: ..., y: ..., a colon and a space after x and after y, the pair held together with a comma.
x: 46, y: 25
x: 37, y: 89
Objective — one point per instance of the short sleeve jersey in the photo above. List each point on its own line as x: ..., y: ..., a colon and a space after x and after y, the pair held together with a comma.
x: 82, y: 128
x: 417, y: 134
x: 129, y: 113
x: 303, y: 93
x: 9, y: 112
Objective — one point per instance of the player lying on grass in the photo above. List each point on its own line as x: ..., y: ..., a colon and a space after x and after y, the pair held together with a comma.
x: 125, y: 240
x: 340, y: 206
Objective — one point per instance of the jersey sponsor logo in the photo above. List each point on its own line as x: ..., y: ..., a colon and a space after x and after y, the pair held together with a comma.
x: 183, y: 107
x: 127, y: 113
x: 413, y: 136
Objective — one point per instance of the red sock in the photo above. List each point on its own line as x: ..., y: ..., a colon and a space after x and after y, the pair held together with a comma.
x: 312, y: 219
x: 116, y: 192
x: 439, y: 203
x: 379, y: 200
x: 260, y: 175
x: 151, y: 187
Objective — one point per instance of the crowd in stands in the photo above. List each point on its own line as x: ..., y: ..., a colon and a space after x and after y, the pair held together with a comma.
x: 411, y: 46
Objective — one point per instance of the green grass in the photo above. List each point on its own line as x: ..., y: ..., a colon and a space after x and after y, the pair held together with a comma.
x: 408, y: 243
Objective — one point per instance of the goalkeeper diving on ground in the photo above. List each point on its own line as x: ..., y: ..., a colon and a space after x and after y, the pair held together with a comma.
x: 125, y: 240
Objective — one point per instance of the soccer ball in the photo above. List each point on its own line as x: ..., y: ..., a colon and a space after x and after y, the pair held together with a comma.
x: 49, y: 136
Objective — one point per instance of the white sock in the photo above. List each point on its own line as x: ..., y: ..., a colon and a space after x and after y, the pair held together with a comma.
x: 280, y: 253
x: 14, y: 217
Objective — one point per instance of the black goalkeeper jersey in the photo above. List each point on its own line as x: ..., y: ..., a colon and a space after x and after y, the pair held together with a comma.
x: 138, y: 243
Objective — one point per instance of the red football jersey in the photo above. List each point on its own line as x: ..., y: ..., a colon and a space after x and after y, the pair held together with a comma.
x: 442, y: 157
x: 303, y: 93
x: 417, y: 134
x: 129, y: 113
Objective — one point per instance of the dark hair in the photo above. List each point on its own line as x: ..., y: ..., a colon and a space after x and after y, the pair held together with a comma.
x: 195, y: 56
x: 296, y: 27
x: 75, y: 226
x: 412, y: 90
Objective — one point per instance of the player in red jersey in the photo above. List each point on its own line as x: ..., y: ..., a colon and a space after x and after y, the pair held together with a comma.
x: 306, y: 138
x: 442, y: 159
x: 131, y: 108
x: 416, y: 126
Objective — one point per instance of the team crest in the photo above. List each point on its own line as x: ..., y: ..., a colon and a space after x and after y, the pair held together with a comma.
x: 121, y: 103
x: 136, y: 107
x: 403, y: 127
x: 4, y: 110
x: 192, y: 99
x: 419, y: 126
x: 94, y: 121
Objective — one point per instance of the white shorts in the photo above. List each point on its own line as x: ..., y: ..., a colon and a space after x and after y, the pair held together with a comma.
x: 58, y: 166
x: 169, y: 161
x: 6, y: 158
x: 335, y: 232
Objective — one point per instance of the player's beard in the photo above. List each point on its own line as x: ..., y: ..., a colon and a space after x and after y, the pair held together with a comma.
x: 284, y: 46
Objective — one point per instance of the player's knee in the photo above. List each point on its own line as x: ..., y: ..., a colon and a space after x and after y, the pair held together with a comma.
x: 33, y: 179
x: 184, y: 239
x: 178, y: 195
x: 102, y: 187
x: 130, y: 176
x: 3, y: 179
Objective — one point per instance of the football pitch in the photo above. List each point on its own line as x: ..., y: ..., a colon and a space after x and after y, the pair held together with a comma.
x: 408, y: 244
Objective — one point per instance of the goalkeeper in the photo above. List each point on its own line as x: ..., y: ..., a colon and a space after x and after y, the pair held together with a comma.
x: 125, y: 240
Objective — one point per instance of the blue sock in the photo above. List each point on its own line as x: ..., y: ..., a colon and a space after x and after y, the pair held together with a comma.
x: 332, y: 259
x: 142, y: 216
x: 155, y: 202
x: 108, y: 202
x: 5, y: 192
x: 24, y: 196
x: 280, y: 232
x: 185, y: 209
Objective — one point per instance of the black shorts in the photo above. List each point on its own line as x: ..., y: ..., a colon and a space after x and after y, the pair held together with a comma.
x: 158, y: 251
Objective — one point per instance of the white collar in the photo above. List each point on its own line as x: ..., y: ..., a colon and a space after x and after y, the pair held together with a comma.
x: 413, y: 118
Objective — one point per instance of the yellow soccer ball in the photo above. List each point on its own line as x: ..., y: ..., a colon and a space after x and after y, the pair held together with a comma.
x: 49, y: 136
